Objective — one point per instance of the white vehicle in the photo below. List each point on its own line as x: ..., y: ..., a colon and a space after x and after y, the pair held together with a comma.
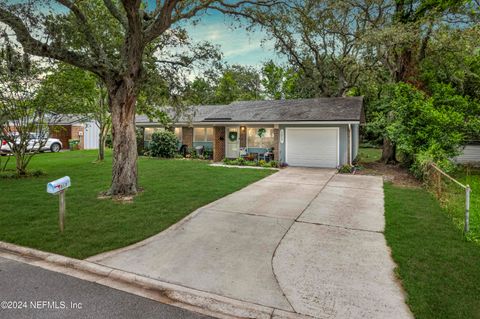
x: 48, y: 144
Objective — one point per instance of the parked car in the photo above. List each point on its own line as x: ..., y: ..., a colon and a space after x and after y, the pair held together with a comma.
x: 49, y: 144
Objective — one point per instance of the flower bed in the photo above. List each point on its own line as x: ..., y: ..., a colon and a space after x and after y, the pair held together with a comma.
x: 244, y: 162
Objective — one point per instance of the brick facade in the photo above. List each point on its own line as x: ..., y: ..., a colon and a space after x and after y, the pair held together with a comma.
x: 218, y: 143
x: 76, y: 135
x: 276, y: 144
x: 62, y: 132
x: 187, y: 136
x: 243, y: 136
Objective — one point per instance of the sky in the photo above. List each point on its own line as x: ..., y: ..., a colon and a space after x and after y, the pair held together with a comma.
x: 238, y: 45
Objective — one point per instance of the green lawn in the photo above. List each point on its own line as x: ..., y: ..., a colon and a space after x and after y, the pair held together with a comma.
x: 172, y: 190
x: 439, y: 269
x: 368, y: 155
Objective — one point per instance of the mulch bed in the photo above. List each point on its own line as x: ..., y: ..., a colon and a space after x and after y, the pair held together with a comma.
x: 396, y: 174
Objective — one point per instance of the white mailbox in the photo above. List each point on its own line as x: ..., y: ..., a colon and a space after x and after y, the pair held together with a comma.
x: 58, y: 185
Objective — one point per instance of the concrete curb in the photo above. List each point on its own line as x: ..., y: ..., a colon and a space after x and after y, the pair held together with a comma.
x: 175, y: 295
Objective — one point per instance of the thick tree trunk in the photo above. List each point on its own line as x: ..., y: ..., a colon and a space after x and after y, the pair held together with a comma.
x: 122, y: 100
x: 389, y: 152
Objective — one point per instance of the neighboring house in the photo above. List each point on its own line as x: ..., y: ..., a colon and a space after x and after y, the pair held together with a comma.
x: 322, y: 132
x: 470, y: 154
x: 76, y: 127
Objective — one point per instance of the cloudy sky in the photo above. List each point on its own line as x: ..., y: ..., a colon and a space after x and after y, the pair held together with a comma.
x: 238, y: 45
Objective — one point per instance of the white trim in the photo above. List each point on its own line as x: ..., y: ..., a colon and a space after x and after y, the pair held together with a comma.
x: 350, y: 153
x: 313, y: 128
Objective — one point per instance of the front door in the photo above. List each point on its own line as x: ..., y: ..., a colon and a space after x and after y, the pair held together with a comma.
x: 232, y: 149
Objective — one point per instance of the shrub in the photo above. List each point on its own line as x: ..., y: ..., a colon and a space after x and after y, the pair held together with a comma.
x: 272, y: 164
x: 208, y: 154
x: 245, y: 162
x: 163, y: 144
x: 140, y: 141
x: 7, y: 174
x: 192, y: 153
x: 109, y: 141
x: 345, y: 169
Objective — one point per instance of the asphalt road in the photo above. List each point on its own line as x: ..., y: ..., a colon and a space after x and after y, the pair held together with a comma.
x: 46, y: 294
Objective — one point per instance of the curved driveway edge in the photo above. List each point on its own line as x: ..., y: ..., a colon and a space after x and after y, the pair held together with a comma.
x: 333, y: 261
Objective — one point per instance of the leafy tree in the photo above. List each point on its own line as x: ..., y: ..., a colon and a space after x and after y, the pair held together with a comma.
x: 79, y: 92
x: 425, y: 128
x: 323, y: 40
x: 79, y: 37
x: 282, y: 82
x: 273, y: 80
x: 25, y: 122
x: 238, y: 83
x: 201, y: 92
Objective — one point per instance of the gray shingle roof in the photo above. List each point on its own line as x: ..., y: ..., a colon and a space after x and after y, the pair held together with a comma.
x: 193, y: 114
x: 319, y: 109
x: 67, y: 119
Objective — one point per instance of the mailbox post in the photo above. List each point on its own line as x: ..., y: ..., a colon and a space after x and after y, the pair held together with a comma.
x: 59, y: 187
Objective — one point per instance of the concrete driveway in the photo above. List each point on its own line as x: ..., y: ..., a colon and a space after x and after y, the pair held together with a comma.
x: 302, y: 240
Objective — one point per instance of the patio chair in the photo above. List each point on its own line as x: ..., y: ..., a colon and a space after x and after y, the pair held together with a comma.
x: 243, y: 152
x: 199, y: 149
x: 183, y: 150
x: 268, y: 156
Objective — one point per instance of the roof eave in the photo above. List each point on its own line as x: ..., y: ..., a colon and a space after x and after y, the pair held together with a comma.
x: 305, y: 122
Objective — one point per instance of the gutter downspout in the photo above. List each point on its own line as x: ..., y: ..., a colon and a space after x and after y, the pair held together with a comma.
x: 350, y: 144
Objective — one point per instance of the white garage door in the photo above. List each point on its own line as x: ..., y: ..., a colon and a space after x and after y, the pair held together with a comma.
x: 312, y: 147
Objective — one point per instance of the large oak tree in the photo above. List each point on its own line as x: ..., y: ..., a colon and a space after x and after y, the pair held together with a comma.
x: 120, y: 65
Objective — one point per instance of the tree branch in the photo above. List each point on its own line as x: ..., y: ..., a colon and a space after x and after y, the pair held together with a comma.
x: 83, y: 23
x: 116, y: 13
x: 162, y: 21
x: 36, y: 47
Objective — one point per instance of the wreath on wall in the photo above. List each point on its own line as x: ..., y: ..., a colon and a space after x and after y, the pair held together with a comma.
x: 232, y: 136
x: 261, y: 132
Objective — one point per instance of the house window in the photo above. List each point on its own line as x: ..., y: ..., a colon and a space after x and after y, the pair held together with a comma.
x: 178, y: 133
x: 203, y: 134
x: 260, y: 137
x: 149, y: 132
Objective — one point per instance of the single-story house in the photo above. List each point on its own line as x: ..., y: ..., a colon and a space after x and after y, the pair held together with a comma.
x: 72, y: 126
x: 320, y: 132
x: 76, y: 127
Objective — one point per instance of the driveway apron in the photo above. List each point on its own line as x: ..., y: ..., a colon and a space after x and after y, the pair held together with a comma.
x: 302, y: 240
